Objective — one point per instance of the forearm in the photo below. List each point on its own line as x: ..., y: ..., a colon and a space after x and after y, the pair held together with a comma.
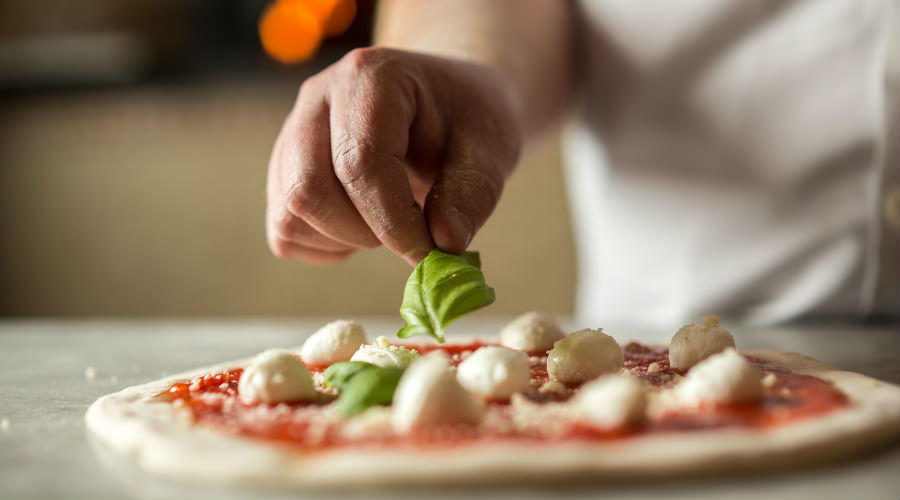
x: 527, y: 41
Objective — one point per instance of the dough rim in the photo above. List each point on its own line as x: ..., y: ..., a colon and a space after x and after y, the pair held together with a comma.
x: 162, y: 441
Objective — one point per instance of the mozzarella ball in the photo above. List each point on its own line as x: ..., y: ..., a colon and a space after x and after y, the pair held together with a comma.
x: 584, y: 355
x: 725, y: 377
x: 611, y: 401
x: 383, y: 354
x: 428, y: 394
x: 276, y: 376
x: 533, y: 332
x: 336, y: 341
x: 495, y: 373
x: 697, y: 341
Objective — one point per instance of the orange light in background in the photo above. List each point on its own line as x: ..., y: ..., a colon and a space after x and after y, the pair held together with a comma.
x: 292, y: 30
x: 337, y: 15
x: 289, y: 32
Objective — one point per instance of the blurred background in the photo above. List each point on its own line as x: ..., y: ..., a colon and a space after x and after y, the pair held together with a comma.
x: 134, y: 140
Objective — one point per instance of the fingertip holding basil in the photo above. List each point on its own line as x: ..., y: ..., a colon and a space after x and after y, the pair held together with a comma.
x: 440, y: 289
x: 361, y: 385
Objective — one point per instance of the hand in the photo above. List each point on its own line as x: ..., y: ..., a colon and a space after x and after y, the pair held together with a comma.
x: 390, y: 147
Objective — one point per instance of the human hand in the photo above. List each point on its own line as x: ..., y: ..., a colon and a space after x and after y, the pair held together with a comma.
x: 390, y: 147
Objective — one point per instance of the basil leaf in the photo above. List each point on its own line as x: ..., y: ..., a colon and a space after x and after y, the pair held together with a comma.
x: 361, y: 385
x: 440, y: 289
x: 373, y: 385
x: 338, y: 374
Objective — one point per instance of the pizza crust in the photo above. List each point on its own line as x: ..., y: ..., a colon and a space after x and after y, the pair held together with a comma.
x: 163, y: 441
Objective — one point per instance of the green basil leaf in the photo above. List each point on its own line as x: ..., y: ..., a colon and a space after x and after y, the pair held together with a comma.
x: 338, y: 374
x: 373, y: 385
x: 440, y: 289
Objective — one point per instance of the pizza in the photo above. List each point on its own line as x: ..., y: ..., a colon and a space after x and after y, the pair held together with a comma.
x: 535, y: 404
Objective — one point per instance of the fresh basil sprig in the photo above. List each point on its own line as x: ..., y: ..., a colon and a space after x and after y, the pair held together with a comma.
x: 440, y: 289
x: 361, y: 385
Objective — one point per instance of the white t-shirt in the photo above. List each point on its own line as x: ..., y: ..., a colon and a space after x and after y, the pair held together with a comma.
x: 736, y: 158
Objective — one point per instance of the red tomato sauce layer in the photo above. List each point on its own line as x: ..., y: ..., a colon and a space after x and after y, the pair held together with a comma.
x: 213, y: 400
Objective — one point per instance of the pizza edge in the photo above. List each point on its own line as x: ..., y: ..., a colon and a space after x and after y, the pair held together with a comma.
x: 163, y: 441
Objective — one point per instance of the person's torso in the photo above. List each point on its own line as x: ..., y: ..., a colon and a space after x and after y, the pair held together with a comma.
x: 745, y: 161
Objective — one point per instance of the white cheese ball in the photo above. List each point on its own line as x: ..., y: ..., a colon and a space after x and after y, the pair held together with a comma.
x: 611, y: 401
x: 276, y: 376
x: 697, y: 341
x: 495, y: 373
x: 336, y: 341
x: 428, y: 394
x: 533, y: 332
x: 383, y: 354
x: 722, y: 378
x: 584, y: 355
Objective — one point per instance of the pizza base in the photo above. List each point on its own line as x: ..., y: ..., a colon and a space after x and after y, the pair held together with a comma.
x: 163, y: 441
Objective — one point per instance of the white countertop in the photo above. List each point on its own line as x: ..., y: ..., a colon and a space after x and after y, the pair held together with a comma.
x: 45, y: 452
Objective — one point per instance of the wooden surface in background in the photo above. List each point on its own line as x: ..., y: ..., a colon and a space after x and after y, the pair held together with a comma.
x: 150, y: 201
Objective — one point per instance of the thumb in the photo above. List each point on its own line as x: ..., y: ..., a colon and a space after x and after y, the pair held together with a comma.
x: 464, y: 193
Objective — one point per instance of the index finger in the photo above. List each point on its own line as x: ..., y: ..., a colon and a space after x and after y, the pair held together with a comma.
x: 370, y: 124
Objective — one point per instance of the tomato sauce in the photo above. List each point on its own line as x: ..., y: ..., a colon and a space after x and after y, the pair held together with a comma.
x: 213, y: 400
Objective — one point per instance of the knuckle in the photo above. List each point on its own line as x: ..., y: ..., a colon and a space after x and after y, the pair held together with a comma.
x: 378, y: 76
x: 280, y: 248
x: 364, y: 59
x: 285, y: 226
x: 302, y: 200
x: 308, y: 88
x: 352, y: 160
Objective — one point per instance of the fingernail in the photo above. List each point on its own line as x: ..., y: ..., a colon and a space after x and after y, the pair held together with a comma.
x: 415, y: 255
x: 460, y: 225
